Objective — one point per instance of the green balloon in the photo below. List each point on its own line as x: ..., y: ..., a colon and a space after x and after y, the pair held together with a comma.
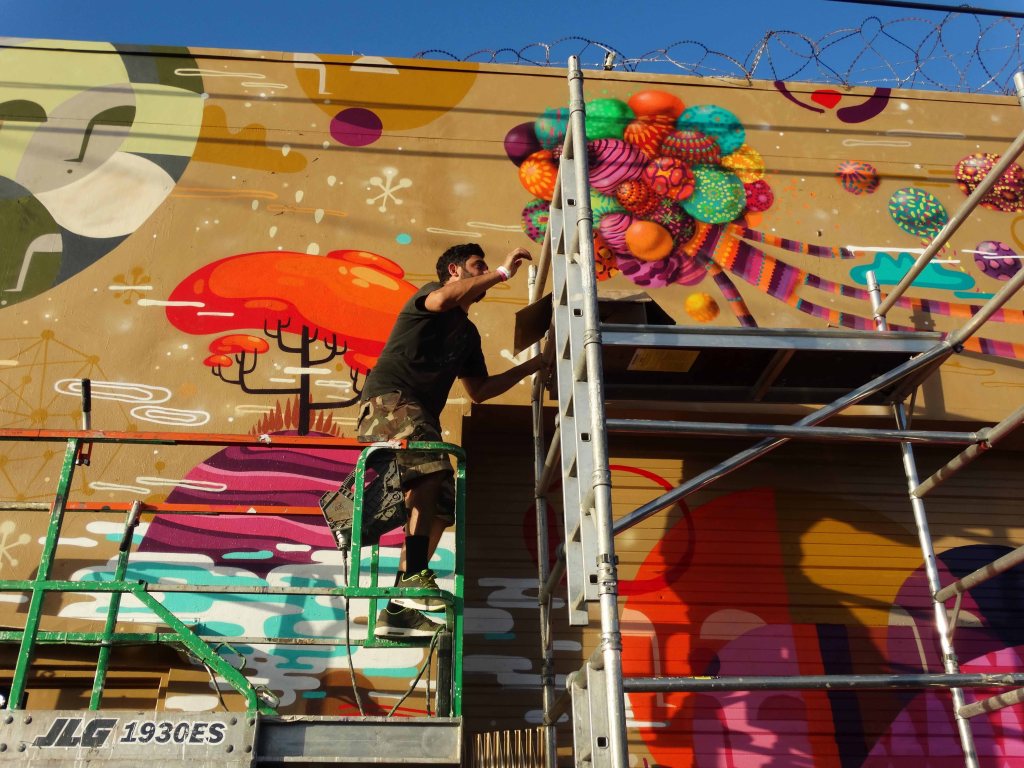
x: 608, y: 118
x: 718, y: 195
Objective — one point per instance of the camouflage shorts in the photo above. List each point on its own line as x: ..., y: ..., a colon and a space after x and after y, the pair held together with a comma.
x: 393, y: 417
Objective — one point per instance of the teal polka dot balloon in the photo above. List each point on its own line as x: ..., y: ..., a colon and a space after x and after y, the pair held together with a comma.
x: 717, y: 122
x: 550, y: 127
x: 718, y: 195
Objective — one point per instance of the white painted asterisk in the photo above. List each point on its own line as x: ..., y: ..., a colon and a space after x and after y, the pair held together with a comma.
x: 388, y: 187
x: 7, y: 544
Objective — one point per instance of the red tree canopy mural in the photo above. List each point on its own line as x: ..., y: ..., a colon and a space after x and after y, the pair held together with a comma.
x: 317, y: 307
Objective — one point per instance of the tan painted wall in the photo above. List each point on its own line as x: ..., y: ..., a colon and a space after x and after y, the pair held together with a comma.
x: 154, y: 202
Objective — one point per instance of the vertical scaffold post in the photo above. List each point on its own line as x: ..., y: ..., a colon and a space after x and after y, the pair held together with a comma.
x: 547, y: 672
x: 612, y: 745
x: 950, y: 663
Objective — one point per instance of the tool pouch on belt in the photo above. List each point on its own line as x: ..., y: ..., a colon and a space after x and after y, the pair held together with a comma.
x: 383, y: 502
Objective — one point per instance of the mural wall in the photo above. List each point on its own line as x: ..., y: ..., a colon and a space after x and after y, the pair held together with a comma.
x: 220, y: 241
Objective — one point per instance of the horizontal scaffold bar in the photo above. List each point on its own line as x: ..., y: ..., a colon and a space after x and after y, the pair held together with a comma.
x: 178, y: 438
x: 148, y: 508
x: 983, y: 574
x: 809, y: 339
x: 848, y: 434
x: 822, y: 682
x: 171, y: 638
x: 224, y: 589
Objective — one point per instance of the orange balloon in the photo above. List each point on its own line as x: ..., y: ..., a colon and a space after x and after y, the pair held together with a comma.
x: 648, y: 241
x: 537, y: 174
x: 701, y: 307
x: 656, y: 103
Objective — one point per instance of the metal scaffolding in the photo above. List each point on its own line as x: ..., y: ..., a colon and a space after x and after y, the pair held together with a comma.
x: 260, y: 734
x: 579, y: 445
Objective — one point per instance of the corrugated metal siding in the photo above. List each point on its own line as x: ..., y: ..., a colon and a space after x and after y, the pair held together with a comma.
x: 789, y: 566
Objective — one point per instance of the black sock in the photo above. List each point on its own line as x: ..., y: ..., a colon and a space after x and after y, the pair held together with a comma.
x: 416, y: 557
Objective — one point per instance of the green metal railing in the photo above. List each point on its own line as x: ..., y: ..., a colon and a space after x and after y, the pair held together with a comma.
x: 78, y: 448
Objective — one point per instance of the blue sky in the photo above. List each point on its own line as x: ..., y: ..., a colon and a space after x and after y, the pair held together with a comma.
x: 404, y: 28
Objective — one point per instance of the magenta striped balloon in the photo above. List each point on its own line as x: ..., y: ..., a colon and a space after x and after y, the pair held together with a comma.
x: 613, y: 228
x: 613, y: 162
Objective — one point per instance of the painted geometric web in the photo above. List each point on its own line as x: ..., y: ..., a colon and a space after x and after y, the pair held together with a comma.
x: 28, y: 400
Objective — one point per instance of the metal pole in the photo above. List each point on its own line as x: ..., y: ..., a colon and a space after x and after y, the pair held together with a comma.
x: 990, y: 437
x: 540, y: 462
x: 820, y: 682
x: 983, y: 574
x: 993, y: 703
x: 949, y: 659
x: 607, y: 577
x: 844, y: 434
x: 962, y: 214
x: 985, y: 312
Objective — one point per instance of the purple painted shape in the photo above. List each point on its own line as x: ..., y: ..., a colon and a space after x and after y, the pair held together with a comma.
x: 356, y: 127
x: 264, y: 476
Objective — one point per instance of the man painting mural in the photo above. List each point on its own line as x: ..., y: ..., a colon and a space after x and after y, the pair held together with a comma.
x: 432, y: 343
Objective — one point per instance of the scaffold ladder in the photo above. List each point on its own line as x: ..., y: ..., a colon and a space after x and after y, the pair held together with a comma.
x: 595, y: 693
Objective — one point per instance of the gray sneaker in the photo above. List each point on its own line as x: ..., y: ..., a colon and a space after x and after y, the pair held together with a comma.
x: 404, y: 623
x: 422, y: 580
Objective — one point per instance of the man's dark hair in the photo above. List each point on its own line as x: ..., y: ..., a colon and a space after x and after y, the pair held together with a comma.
x: 458, y: 255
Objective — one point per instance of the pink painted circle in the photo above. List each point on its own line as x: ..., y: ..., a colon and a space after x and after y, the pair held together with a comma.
x: 356, y: 127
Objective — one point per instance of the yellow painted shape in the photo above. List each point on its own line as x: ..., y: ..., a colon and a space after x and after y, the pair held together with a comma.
x: 49, y: 78
x: 403, y: 95
x: 178, y: 112
x: 246, y: 148
x: 860, y: 571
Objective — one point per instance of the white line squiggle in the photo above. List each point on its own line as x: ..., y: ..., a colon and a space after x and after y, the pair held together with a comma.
x: 253, y: 409
x: 121, y: 391
x: 459, y: 233
x: 157, y: 303
x: 101, y: 486
x: 194, y: 72
x: 499, y: 227
x: 334, y: 384
x: 191, y: 485
x: 171, y: 416
x: 80, y: 541
x: 865, y: 143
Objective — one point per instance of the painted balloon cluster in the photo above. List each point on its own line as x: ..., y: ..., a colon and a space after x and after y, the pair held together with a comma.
x: 921, y: 214
x: 657, y: 168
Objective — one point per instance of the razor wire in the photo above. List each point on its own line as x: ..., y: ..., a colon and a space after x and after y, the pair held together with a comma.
x: 908, y: 52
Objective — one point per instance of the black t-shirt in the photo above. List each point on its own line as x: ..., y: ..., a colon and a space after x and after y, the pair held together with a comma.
x: 426, y: 352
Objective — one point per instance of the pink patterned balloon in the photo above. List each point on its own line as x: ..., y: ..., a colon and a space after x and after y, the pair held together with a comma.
x: 613, y: 228
x: 677, y: 267
x: 670, y: 177
x: 612, y: 162
x: 759, y: 196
